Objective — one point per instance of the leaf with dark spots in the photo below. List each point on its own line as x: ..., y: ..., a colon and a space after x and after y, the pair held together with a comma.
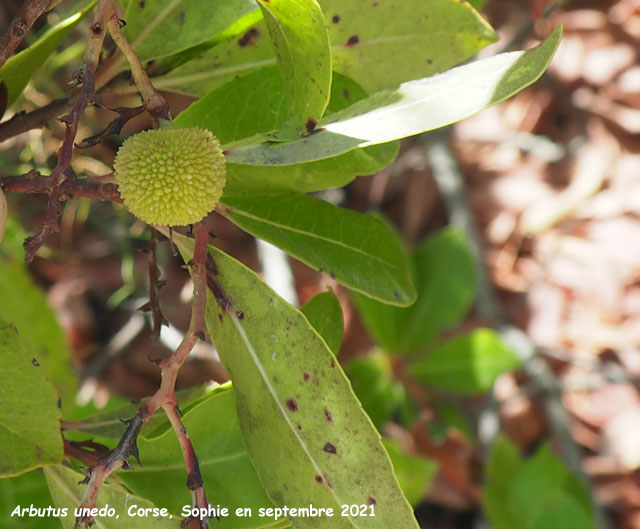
x: 328, y: 415
x: 353, y: 40
x: 249, y: 38
x: 319, y: 478
x: 330, y: 449
x: 306, y: 377
x: 371, y: 501
x: 35, y: 362
x: 310, y: 125
x: 141, y: 4
x: 292, y: 405
x: 335, y: 19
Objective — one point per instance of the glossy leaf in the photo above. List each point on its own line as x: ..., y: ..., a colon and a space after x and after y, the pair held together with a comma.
x: 260, y: 96
x: 227, y: 471
x: 17, y: 71
x: 415, y: 107
x: 29, y: 414
x: 66, y: 491
x: 414, y: 472
x: 157, y: 28
x: 445, y: 280
x: 466, y: 364
x: 324, y: 313
x: 308, y: 437
x: 357, y: 250
x: 404, y: 39
x: 410, y: 38
x: 536, y: 493
x: 301, y: 46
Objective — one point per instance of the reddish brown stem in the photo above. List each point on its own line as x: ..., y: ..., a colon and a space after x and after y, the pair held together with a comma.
x: 164, y: 397
x: 28, y: 14
x: 63, y: 166
x: 24, y: 121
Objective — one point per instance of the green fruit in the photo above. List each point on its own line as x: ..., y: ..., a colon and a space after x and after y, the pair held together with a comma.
x: 171, y: 177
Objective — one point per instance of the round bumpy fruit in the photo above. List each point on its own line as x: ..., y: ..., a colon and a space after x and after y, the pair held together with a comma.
x: 171, y: 177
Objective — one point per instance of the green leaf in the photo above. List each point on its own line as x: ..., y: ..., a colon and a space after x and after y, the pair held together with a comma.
x: 301, y: 46
x: 414, y: 473
x: 157, y: 28
x: 66, y: 490
x: 415, y: 107
x: 24, y: 490
x: 19, y: 69
x: 466, y: 364
x: 477, y: 4
x: 229, y: 477
x: 261, y: 98
x: 445, y: 280
x: 356, y: 249
x: 382, y: 396
x: 26, y: 307
x: 397, y: 40
x: 403, y: 39
x: 308, y: 437
x: 324, y: 313
x: 29, y: 415
x: 538, y: 493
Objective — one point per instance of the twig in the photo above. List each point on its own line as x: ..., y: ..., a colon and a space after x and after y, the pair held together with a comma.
x: 27, y: 15
x: 154, y: 102
x: 63, y: 166
x: 24, y: 121
x: 165, y: 397
x: 34, y: 182
x: 155, y: 284
x: 450, y: 183
x: 114, y: 126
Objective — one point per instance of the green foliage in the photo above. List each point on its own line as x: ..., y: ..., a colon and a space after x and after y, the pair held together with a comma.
x: 357, y: 250
x: 159, y: 28
x: 467, y: 364
x: 26, y: 489
x: 415, y: 107
x: 445, y: 280
x: 536, y: 493
x: 19, y: 69
x: 301, y: 45
x: 303, y: 427
x: 29, y: 413
x: 325, y: 315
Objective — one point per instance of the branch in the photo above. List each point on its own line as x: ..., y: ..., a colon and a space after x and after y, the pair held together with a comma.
x: 165, y: 397
x: 63, y: 166
x: 24, y: 121
x: 27, y: 15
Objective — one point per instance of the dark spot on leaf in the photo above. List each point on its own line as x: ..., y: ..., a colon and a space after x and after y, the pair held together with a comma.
x: 375, y: 4
x: 328, y: 415
x: 292, y: 405
x: 396, y: 294
x: 275, y: 380
x: 429, y: 61
x: 59, y: 404
x: 286, y: 487
x: 330, y: 449
x: 35, y: 362
x: 310, y: 125
x: 332, y: 275
x: 181, y: 17
x: 249, y: 38
x: 220, y: 316
x: 306, y: 377
x: 299, y: 427
x: 141, y: 4
x: 371, y: 501
x: 333, y: 363
x: 319, y: 479
x: 335, y: 19
x: 353, y: 40
x: 346, y: 94
x: 240, y: 315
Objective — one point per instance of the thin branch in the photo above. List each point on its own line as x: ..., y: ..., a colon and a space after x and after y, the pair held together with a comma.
x: 27, y: 15
x: 165, y: 397
x: 155, y: 284
x: 24, y: 121
x: 63, y: 166
x: 154, y: 102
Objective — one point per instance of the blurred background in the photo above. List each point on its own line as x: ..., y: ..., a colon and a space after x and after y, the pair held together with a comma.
x: 546, y: 188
